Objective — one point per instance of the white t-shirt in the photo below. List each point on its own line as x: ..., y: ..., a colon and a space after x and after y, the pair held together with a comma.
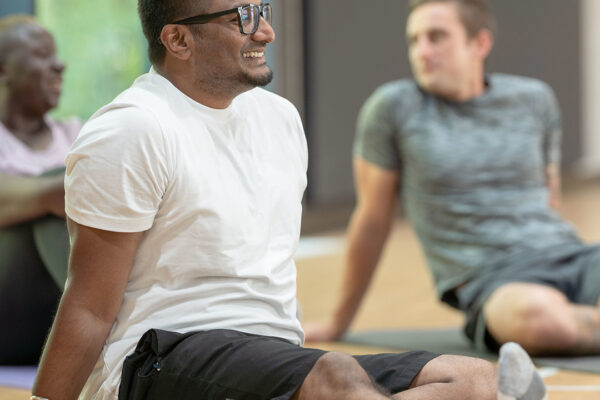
x: 218, y: 194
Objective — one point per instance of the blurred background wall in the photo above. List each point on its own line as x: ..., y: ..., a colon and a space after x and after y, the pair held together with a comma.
x: 102, y: 44
x: 13, y: 7
x: 331, y: 54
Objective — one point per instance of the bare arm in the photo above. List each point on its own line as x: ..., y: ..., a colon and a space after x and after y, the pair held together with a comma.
x: 99, y: 269
x: 26, y: 198
x: 367, y: 233
x: 554, y: 185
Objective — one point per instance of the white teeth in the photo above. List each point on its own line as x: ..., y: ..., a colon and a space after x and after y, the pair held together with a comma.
x: 253, y: 54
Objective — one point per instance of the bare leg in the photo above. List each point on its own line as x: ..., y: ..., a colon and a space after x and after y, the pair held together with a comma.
x: 338, y: 376
x: 542, y: 320
x: 453, y: 377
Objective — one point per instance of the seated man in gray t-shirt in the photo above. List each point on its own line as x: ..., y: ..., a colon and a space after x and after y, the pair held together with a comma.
x: 477, y: 160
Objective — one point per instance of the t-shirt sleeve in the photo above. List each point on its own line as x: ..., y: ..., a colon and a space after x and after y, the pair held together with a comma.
x: 375, y: 139
x: 117, y: 171
x: 552, y: 128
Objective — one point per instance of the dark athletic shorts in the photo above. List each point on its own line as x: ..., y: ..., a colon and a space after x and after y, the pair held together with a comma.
x: 574, y: 271
x: 226, y: 364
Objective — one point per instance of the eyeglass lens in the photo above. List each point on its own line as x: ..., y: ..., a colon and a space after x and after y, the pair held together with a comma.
x: 250, y: 17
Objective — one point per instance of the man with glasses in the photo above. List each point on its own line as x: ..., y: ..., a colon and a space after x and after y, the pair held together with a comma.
x: 477, y: 158
x: 183, y: 198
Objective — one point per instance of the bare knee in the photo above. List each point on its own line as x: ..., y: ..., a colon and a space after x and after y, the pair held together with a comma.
x: 340, y: 369
x: 539, y: 318
x: 336, y: 376
x: 548, y: 325
x: 465, y: 377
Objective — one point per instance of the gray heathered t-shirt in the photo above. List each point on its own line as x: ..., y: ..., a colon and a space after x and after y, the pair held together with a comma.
x: 473, y: 180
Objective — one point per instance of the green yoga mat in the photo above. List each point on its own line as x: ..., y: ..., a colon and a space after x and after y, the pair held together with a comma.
x: 29, y: 289
x: 44, y: 240
x: 452, y: 341
x: 52, y: 241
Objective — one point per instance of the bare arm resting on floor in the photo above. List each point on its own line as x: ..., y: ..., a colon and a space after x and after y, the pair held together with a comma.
x: 26, y: 198
x: 369, y: 228
x: 99, y: 269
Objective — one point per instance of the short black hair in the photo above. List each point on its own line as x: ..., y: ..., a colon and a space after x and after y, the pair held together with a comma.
x: 154, y: 14
x: 475, y: 15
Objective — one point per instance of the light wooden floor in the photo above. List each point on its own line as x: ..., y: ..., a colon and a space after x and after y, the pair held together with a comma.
x: 14, y: 394
x: 402, y: 294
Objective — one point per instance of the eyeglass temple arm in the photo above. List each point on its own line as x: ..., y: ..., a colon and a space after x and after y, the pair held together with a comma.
x: 201, y: 19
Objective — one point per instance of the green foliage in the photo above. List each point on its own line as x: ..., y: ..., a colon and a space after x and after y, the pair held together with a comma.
x: 102, y: 44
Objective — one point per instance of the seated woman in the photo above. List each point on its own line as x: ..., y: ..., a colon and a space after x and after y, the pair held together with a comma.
x: 31, y: 145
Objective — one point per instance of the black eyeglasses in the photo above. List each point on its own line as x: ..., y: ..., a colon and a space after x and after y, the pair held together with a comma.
x: 248, y: 17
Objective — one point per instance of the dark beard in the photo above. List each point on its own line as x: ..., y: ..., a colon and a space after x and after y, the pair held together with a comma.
x: 261, y: 80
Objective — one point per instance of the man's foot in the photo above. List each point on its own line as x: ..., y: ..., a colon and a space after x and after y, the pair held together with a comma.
x: 517, y: 377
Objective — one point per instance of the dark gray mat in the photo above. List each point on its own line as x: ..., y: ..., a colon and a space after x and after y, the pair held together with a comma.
x: 28, y: 297
x: 452, y: 341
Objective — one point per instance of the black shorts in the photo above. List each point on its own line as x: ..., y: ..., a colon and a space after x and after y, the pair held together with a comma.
x: 575, y: 272
x: 226, y: 364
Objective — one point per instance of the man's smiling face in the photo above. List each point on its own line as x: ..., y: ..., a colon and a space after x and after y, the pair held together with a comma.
x: 228, y: 58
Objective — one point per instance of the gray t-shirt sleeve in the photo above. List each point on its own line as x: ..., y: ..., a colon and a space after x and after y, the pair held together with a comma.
x: 552, y: 127
x: 376, y: 131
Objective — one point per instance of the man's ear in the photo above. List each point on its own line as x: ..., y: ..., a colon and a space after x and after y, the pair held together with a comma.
x: 178, y: 40
x: 485, y: 41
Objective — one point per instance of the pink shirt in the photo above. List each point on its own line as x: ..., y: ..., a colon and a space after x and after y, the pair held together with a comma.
x: 18, y: 159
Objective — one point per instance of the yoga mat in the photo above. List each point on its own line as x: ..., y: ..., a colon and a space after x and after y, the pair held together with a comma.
x: 52, y: 241
x: 28, y: 297
x: 18, y: 377
x: 452, y: 341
